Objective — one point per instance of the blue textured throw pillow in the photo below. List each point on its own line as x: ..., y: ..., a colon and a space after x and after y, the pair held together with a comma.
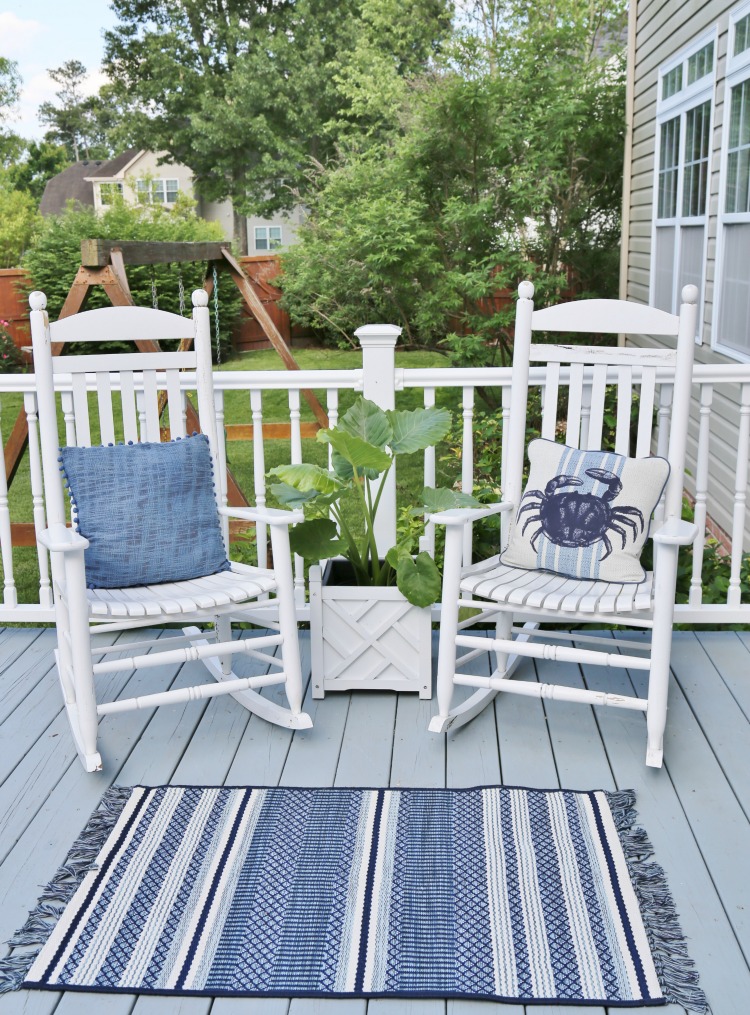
x: 148, y: 511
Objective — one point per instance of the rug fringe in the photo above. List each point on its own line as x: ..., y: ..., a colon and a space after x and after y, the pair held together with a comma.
x: 676, y: 970
x: 40, y: 923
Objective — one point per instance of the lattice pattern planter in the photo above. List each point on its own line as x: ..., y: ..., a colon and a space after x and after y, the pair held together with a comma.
x: 367, y: 638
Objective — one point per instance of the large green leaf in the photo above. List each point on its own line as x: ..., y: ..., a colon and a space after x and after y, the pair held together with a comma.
x: 418, y: 429
x: 442, y: 499
x: 367, y: 421
x: 418, y: 580
x: 357, y: 452
x: 316, y: 539
x: 304, y: 477
x: 291, y: 497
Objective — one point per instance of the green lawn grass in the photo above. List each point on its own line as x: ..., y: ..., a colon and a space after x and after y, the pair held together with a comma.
x: 240, y: 453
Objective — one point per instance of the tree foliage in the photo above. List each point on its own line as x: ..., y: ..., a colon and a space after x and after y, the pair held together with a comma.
x: 10, y: 83
x: 18, y: 218
x: 246, y: 93
x: 505, y: 163
x: 82, y: 123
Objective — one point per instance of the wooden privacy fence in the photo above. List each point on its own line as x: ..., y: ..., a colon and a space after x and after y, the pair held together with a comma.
x: 14, y: 307
x: 380, y: 380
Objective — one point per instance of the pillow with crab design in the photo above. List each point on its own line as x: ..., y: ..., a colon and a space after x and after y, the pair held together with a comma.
x: 585, y: 514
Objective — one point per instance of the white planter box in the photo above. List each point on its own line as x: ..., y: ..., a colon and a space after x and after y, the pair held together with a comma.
x: 367, y: 639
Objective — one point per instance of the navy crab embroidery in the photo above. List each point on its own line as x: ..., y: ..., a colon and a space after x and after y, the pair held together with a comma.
x: 580, y: 519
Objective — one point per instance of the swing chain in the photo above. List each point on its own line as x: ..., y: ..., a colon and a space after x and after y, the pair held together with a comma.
x: 154, y: 293
x: 216, y: 314
x: 181, y: 291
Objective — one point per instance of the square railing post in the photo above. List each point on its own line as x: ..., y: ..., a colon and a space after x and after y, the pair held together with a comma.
x: 378, y: 343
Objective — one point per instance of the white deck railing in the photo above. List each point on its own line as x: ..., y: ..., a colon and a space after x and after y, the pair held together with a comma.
x: 380, y: 380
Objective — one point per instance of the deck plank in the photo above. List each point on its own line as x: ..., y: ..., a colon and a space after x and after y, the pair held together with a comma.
x: 691, y: 809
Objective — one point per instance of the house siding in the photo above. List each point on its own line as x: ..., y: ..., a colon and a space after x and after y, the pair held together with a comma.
x: 663, y: 30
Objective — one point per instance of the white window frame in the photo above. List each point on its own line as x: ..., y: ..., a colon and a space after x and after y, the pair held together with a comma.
x: 266, y: 230
x: 678, y: 105
x: 105, y: 191
x: 737, y: 71
x: 145, y: 185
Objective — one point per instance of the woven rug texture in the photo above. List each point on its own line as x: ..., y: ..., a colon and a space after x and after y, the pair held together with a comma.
x: 492, y: 893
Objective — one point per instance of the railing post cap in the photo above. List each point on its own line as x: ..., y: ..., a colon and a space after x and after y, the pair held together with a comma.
x: 378, y: 334
x: 37, y: 300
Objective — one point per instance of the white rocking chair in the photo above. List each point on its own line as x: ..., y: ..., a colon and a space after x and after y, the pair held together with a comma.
x: 243, y: 593
x: 506, y: 594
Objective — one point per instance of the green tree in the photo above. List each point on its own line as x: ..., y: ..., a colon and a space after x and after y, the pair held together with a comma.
x: 507, y: 164
x: 66, y: 116
x: 246, y: 94
x: 10, y: 83
x: 18, y: 218
x: 35, y: 163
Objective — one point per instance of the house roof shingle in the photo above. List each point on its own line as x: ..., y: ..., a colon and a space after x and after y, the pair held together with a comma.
x: 72, y: 183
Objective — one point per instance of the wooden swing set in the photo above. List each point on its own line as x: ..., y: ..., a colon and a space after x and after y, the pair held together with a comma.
x: 103, y: 263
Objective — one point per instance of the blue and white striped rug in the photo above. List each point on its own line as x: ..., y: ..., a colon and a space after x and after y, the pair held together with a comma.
x: 494, y: 893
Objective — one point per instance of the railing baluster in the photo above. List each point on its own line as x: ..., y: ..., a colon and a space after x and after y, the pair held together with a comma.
x: 69, y: 418
x: 663, y: 417
x: 505, y: 517
x: 429, y: 475
x: 259, y: 473
x: 37, y: 496
x: 467, y: 461
x: 296, y: 459
x: 221, y: 479
x: 701, y: 494
x: 740, y: 498
x: 10, y: 595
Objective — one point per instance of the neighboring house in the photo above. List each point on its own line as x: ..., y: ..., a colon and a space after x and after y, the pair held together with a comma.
x: 139, y: 176
x: 686, y: 208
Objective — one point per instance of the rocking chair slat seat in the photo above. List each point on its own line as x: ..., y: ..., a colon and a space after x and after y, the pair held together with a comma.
x: 179, y: 597
x: 540, y: 590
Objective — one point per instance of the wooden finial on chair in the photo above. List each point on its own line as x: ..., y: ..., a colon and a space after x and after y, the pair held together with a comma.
x: 200, y: 298
x: 37, y: 300
x: 526, y: 290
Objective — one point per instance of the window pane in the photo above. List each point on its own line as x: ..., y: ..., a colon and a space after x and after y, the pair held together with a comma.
x: 696, y: 160
x: 691, y: 257
x: 173, y: 187
x: 734, y: 323
x: 738, y: 152
x: 700, y: 63
x: 274, y: 234
x: 663, y: 267
x: 742, y: 35
x: 669, y: 156
x: 261, y: 238
x: 671, y: 83
x: 157, y: 191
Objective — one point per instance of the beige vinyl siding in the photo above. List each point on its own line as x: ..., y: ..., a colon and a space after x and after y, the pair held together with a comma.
x: 663, y: 30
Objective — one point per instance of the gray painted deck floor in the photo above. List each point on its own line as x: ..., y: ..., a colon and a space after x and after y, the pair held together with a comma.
x: 695, y: 810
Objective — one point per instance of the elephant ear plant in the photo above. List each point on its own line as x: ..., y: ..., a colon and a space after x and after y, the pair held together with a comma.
x: 364, y: 447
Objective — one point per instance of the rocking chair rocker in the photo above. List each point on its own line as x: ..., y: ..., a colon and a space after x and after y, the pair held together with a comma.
x: 570, y: 541
x: 141, y: 571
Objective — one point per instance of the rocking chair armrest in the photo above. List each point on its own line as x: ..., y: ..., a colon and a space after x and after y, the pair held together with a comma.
x: 60, y: 539
x: 269, y: 516
x: 676, y: 532
x: 462, y: 516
